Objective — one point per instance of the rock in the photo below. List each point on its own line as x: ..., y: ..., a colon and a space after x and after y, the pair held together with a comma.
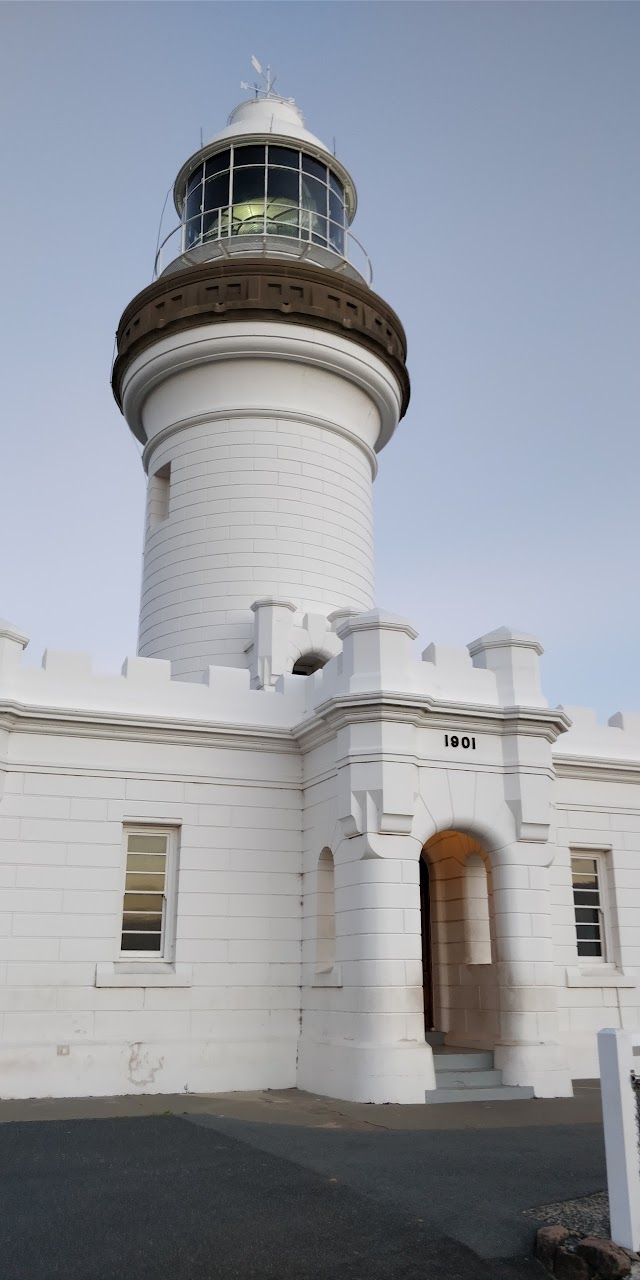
x: 569, y: 1266
x: 607, y: 1259
x: 548, y: 1240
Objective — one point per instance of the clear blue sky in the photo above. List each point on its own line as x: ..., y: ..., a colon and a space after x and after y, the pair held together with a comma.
x: 495, y: 151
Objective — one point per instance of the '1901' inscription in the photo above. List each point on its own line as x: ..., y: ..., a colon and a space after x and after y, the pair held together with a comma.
x: 454, y: 740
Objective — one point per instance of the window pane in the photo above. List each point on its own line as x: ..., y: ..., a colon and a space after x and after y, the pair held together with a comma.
x: 138, y: 880
x: 584, y: 866
x: 314, y: 167
x: 336, y: 208
x: 588, y: 915
x: 140, y: 942
x: 586, y: 898
x: 194, y: 178
x: 285, y: 156
x: 283, y: 184
x: 217, y: 164
x: 336, y: 185
x: 588, y: 931
x: 248, y: 155
x: 336, y: 223
x: 589, y: 948
x: 146, y: 862
x: 138, y: 901
x: 248, y: 185
x: 314, y: 195
x: 142, y: 921
x: 216, y: 192
x: 141, y: 842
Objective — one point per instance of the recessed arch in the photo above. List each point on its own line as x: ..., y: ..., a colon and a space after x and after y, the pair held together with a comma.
x: 465, y: 993
x: 325, y: 913
x: 477, y: 923
x: 308, y: 663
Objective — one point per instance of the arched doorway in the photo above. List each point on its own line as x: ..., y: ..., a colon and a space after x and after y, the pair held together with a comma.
x: 425, y: 916
x: 458, y: 944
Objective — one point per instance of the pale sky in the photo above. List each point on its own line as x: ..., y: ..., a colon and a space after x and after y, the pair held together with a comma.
x: 495, y: 152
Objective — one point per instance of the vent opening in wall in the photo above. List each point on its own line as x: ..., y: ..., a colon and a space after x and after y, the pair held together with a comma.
x: 309, y: 663
x: 159, y: 493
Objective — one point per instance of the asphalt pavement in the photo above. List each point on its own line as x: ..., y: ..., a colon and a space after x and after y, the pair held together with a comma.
x: 208, y: 1194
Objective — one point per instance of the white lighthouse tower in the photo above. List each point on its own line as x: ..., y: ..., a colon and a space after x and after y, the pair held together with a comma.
x: 262, y: 375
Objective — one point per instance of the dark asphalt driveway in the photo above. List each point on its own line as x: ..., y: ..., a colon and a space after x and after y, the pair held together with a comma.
x: 197, y: 1198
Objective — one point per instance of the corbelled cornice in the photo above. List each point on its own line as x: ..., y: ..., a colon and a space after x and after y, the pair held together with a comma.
x: 261, y: 289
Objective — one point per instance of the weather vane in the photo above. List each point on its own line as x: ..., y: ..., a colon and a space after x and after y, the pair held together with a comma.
x: 267, y: 81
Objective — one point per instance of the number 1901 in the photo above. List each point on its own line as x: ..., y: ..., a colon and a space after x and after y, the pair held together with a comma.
x: 454, y: 741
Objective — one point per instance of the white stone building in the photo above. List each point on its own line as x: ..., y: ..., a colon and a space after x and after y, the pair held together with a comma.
x: 282, y: 843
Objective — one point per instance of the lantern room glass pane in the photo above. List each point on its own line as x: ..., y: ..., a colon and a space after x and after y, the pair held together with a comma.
x: 336, y: 185
x: 336, y: 222
x: 193, y: 215
x: 314, y: 199
x: 247, y: 155
x: 314, y: 168
x: 282, y: 184
x: 217, y: 164
x: 284, y: 156
x: 248, y: 184
x: 216, y: 192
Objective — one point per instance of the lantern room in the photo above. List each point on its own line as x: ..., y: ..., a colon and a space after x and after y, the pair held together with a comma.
x: 265, y: 185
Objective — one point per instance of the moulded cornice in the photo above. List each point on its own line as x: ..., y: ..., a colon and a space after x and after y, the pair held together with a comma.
x: 335, y: 714
x: 596, y: 769
x: 100, y: 724
x: 422, y: 711
x: 267, y: 339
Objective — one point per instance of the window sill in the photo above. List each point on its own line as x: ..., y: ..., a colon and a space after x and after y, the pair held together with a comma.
x: 328, y: 977
x: 140, y: 973
x: 599, y: 976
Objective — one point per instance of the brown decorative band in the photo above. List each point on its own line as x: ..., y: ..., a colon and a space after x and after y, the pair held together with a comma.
x: 261, y: 289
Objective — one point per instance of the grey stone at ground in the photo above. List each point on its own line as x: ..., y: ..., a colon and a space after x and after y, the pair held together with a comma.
x: 548, y: 1241
x: 569, y: 1266
x: 609, y: 1261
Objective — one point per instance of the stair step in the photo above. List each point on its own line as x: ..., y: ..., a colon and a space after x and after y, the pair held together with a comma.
x: 469, y: 1079
x: 504, y: 1093
x: 463, y: 1060
x: 434, y: 1038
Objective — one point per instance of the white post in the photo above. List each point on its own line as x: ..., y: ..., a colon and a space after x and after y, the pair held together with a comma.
x: 619, y: 1114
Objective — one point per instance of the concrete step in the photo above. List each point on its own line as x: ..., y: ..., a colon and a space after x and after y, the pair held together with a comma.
x: 469, y: 1079
x: 434, y: 1038
x: 504, y: 1093
x: 462, y: 1060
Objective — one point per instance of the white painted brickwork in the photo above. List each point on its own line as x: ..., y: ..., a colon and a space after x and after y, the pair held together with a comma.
x: 258, y: 783
x: 272, y: 463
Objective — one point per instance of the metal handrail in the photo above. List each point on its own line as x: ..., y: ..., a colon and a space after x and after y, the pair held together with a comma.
x: 270, y: 224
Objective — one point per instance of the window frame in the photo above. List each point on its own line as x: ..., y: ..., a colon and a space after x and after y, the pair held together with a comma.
x: 165, y: 955
x: 599, y: 856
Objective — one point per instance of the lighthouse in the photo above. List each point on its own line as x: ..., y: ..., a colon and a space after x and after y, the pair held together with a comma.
x: 262, y: 375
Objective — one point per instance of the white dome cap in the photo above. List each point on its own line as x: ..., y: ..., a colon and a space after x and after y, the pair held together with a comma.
x: 266, y: 115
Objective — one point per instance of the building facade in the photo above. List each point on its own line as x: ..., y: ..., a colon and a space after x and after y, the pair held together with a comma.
x: 281, y: 847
